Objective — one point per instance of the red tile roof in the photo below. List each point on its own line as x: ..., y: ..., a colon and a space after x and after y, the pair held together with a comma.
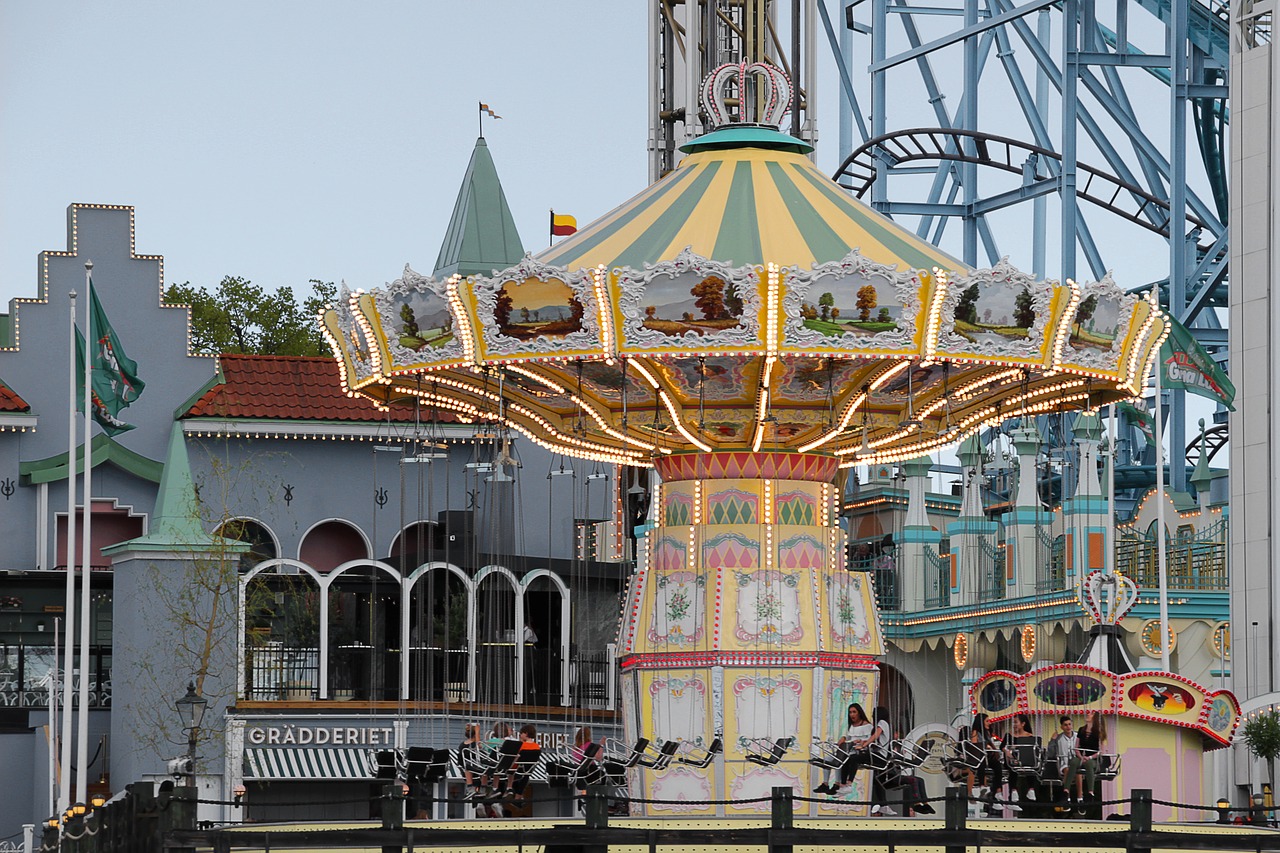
x: 11, y: 402
x: 288, y: 388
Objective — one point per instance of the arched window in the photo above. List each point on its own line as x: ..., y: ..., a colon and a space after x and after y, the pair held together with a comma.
x: 330, y: 544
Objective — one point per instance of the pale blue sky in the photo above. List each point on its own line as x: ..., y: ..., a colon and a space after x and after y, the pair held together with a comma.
x: 284, y: 141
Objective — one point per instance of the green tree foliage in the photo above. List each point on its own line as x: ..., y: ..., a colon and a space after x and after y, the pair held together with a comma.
x: 1085, y: 312
x: 410, y: 322
x: 825, y: 302
x: 1261, y: 735
x: 967, y: 307
x: 239, y: 316
x: 1024, y: 312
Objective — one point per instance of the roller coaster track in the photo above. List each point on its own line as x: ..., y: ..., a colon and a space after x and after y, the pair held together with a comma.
x: 858, y: 172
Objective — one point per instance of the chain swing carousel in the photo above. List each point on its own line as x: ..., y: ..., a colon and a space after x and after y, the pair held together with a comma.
x: 749, y: 331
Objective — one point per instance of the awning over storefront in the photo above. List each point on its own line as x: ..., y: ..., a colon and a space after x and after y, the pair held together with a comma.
x: 310, y: 763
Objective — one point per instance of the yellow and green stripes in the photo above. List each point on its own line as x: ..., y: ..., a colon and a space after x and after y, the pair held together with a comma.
x: 745, y: 206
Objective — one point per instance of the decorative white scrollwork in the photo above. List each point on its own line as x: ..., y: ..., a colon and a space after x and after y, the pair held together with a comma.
x: 430, y: 332
x: 1095, y: 332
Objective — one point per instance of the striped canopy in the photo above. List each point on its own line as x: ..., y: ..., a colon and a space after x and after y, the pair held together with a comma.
x: 316, y: 762
x: 747, y: 205
x: 745, y: 301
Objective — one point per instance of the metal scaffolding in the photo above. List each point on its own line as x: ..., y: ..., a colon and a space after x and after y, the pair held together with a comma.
x: 1100, y: 117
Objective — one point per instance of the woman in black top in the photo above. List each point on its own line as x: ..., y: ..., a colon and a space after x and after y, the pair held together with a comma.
x: 1092, y: 741
x: 993, y: 767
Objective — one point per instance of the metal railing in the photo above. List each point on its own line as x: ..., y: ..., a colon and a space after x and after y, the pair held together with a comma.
x: 29, y: 673
x: 1197, y: 562
x: 1051, y: 562
x: 937, y: 580
x: 276, y: 673
x: 991, y: 576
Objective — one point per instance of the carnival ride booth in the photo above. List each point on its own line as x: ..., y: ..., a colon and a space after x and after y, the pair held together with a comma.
x: 1158, y: 728
x: 748, y: 331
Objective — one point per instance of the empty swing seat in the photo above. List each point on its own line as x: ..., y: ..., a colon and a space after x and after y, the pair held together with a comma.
x: 663, y: 758
x: 766, y: 753
x: 696, y: 756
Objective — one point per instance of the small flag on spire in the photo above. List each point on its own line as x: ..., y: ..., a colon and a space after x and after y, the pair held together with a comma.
x: 485, y: 108
x: 562, y: 225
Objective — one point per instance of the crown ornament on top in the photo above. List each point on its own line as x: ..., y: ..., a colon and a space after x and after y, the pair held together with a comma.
x: 762, y: 92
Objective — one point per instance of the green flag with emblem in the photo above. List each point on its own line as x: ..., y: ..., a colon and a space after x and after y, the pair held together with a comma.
x: 115, y: 375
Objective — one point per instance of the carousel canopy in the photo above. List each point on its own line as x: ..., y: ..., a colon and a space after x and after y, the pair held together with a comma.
x: 744, y: 302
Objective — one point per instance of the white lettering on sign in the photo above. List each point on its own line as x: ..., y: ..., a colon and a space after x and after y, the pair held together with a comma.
x: 295, y: 735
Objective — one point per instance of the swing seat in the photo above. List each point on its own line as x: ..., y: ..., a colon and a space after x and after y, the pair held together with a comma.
x: 767, y: 753
x: 827, y: 754
x: 526, y: 762
x: 1108, y: 765
x: 663, y: 758
x: 631, y: 757
x: 909, y: 754
x: 696, y: 756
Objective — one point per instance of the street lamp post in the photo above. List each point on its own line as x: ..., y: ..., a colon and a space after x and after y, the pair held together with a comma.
x: 191, y: 708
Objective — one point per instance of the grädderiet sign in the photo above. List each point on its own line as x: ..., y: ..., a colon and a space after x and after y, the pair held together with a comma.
x: 291, y: 734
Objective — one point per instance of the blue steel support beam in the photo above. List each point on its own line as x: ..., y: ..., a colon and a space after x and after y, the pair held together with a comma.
x: 1070, y: 110
x: 969, y: 170
x: 1177, y: 225
x: 959, y: 35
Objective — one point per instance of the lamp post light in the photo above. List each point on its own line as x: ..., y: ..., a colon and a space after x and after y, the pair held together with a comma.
x: 191, y: 708
x: 1224, y: 810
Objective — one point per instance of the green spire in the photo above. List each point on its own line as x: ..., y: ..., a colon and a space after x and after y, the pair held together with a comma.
x: 1202, y: 478
x: 176, y: 520
x: 482, y: 235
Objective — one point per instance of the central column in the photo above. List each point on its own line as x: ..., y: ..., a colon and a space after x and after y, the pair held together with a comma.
x: 742, y: 624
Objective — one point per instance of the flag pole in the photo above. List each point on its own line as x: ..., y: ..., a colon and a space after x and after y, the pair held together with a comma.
x: 82, y: 721
x: 52, y: 738
x: 551, y: 227
x: 480, y: 117
x: 1110, y: 541
x: 63, y: 737
x: 1161, y: 555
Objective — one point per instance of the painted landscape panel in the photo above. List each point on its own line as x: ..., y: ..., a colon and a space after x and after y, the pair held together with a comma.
x: 536, y: 308
x: 1097, y: 322
x: 993, y: 312
x: 423, y: 320
x: 691, y: 303
x: 851, y: 304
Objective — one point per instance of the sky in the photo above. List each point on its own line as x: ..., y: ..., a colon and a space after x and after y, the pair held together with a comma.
x: 288, y: 140
x: 285, y: 141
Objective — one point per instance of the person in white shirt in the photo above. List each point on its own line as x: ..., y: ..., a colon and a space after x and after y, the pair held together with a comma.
x: 857, y: 740
x: 1065, y: 747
